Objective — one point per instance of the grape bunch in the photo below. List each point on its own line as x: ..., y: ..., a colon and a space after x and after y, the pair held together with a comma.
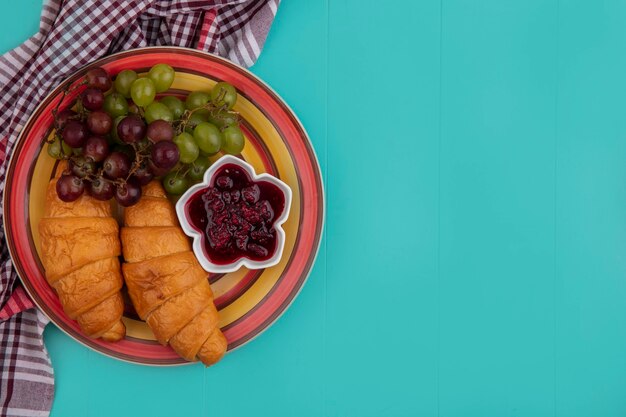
x: 122, y: 133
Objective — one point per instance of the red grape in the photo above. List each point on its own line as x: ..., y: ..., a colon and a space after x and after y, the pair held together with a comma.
x: 92, y: 99
x: 160, y: 130
x: 165, y: 154
x: 81, y: 166
x: 96, y: 148
x: 74, y: 133
x: 116, y: 165
x: 157, y: 171
x: 99, y: 122
x: 101, y: 189
x: 69, y: 187
x: 128, y: 193
x: 143, y: 174
x: 63, y: 116
x: 131, y: 129
x: 98, y: 78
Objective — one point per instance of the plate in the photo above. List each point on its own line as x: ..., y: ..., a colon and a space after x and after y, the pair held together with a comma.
x: 276, y: 143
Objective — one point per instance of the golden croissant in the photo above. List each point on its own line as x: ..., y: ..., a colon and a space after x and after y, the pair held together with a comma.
x: 79, y: 250
x: 166, y: 284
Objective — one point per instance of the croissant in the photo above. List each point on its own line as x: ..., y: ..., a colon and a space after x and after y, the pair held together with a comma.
x: 165, y: 282
x: 79, y: 251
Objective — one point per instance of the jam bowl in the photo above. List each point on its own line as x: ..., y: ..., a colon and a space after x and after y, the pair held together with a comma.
x: 234, y: 217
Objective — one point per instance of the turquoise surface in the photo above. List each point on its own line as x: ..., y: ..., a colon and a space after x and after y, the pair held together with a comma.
x: 474, y: 154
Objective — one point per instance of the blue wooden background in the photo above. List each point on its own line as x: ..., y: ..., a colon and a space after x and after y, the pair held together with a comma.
x: 474, y: 155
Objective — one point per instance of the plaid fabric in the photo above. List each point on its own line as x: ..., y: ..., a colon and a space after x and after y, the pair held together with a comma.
x: 72, y: 34
x: 27, y: 379
x: 18, y: 302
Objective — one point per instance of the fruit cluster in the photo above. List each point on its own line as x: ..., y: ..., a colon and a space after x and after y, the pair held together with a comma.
x: 118, y: 135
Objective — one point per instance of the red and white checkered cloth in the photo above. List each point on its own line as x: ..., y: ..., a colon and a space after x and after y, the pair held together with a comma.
x: 72, y: 34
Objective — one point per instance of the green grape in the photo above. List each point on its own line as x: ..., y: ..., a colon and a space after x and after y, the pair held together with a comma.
x: 162, y: 75
x: 232, y: 140
x: 158, y: 111
x: 224, y: 95
x: 198, y: 168
x: 123, y: 81
x: 224, y: 119
x: 175, y: 184
x: 54, y: 149
x: 142, y: 91
x: 197, y: 99
x: 195, y: 119
x: 208, y: 138
x: 116, y: 105
x: 114, y: 136
x: 58, y: 149
x: 175, y: 105
x: 77, y: 151
x: 187, y: 148
x: 67, y: 149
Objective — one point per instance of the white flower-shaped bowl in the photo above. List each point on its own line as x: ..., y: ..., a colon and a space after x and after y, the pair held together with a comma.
x: 197, y: 236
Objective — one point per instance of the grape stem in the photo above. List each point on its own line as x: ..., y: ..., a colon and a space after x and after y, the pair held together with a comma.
x: 188, y: 166
x: 64, y: 93
x: 140, y: 156
x: 181, y: 125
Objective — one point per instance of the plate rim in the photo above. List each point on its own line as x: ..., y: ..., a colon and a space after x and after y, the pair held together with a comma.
x: 316, y: 166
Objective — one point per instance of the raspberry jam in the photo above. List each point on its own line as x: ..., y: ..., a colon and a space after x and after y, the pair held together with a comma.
x: 236, y: 216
